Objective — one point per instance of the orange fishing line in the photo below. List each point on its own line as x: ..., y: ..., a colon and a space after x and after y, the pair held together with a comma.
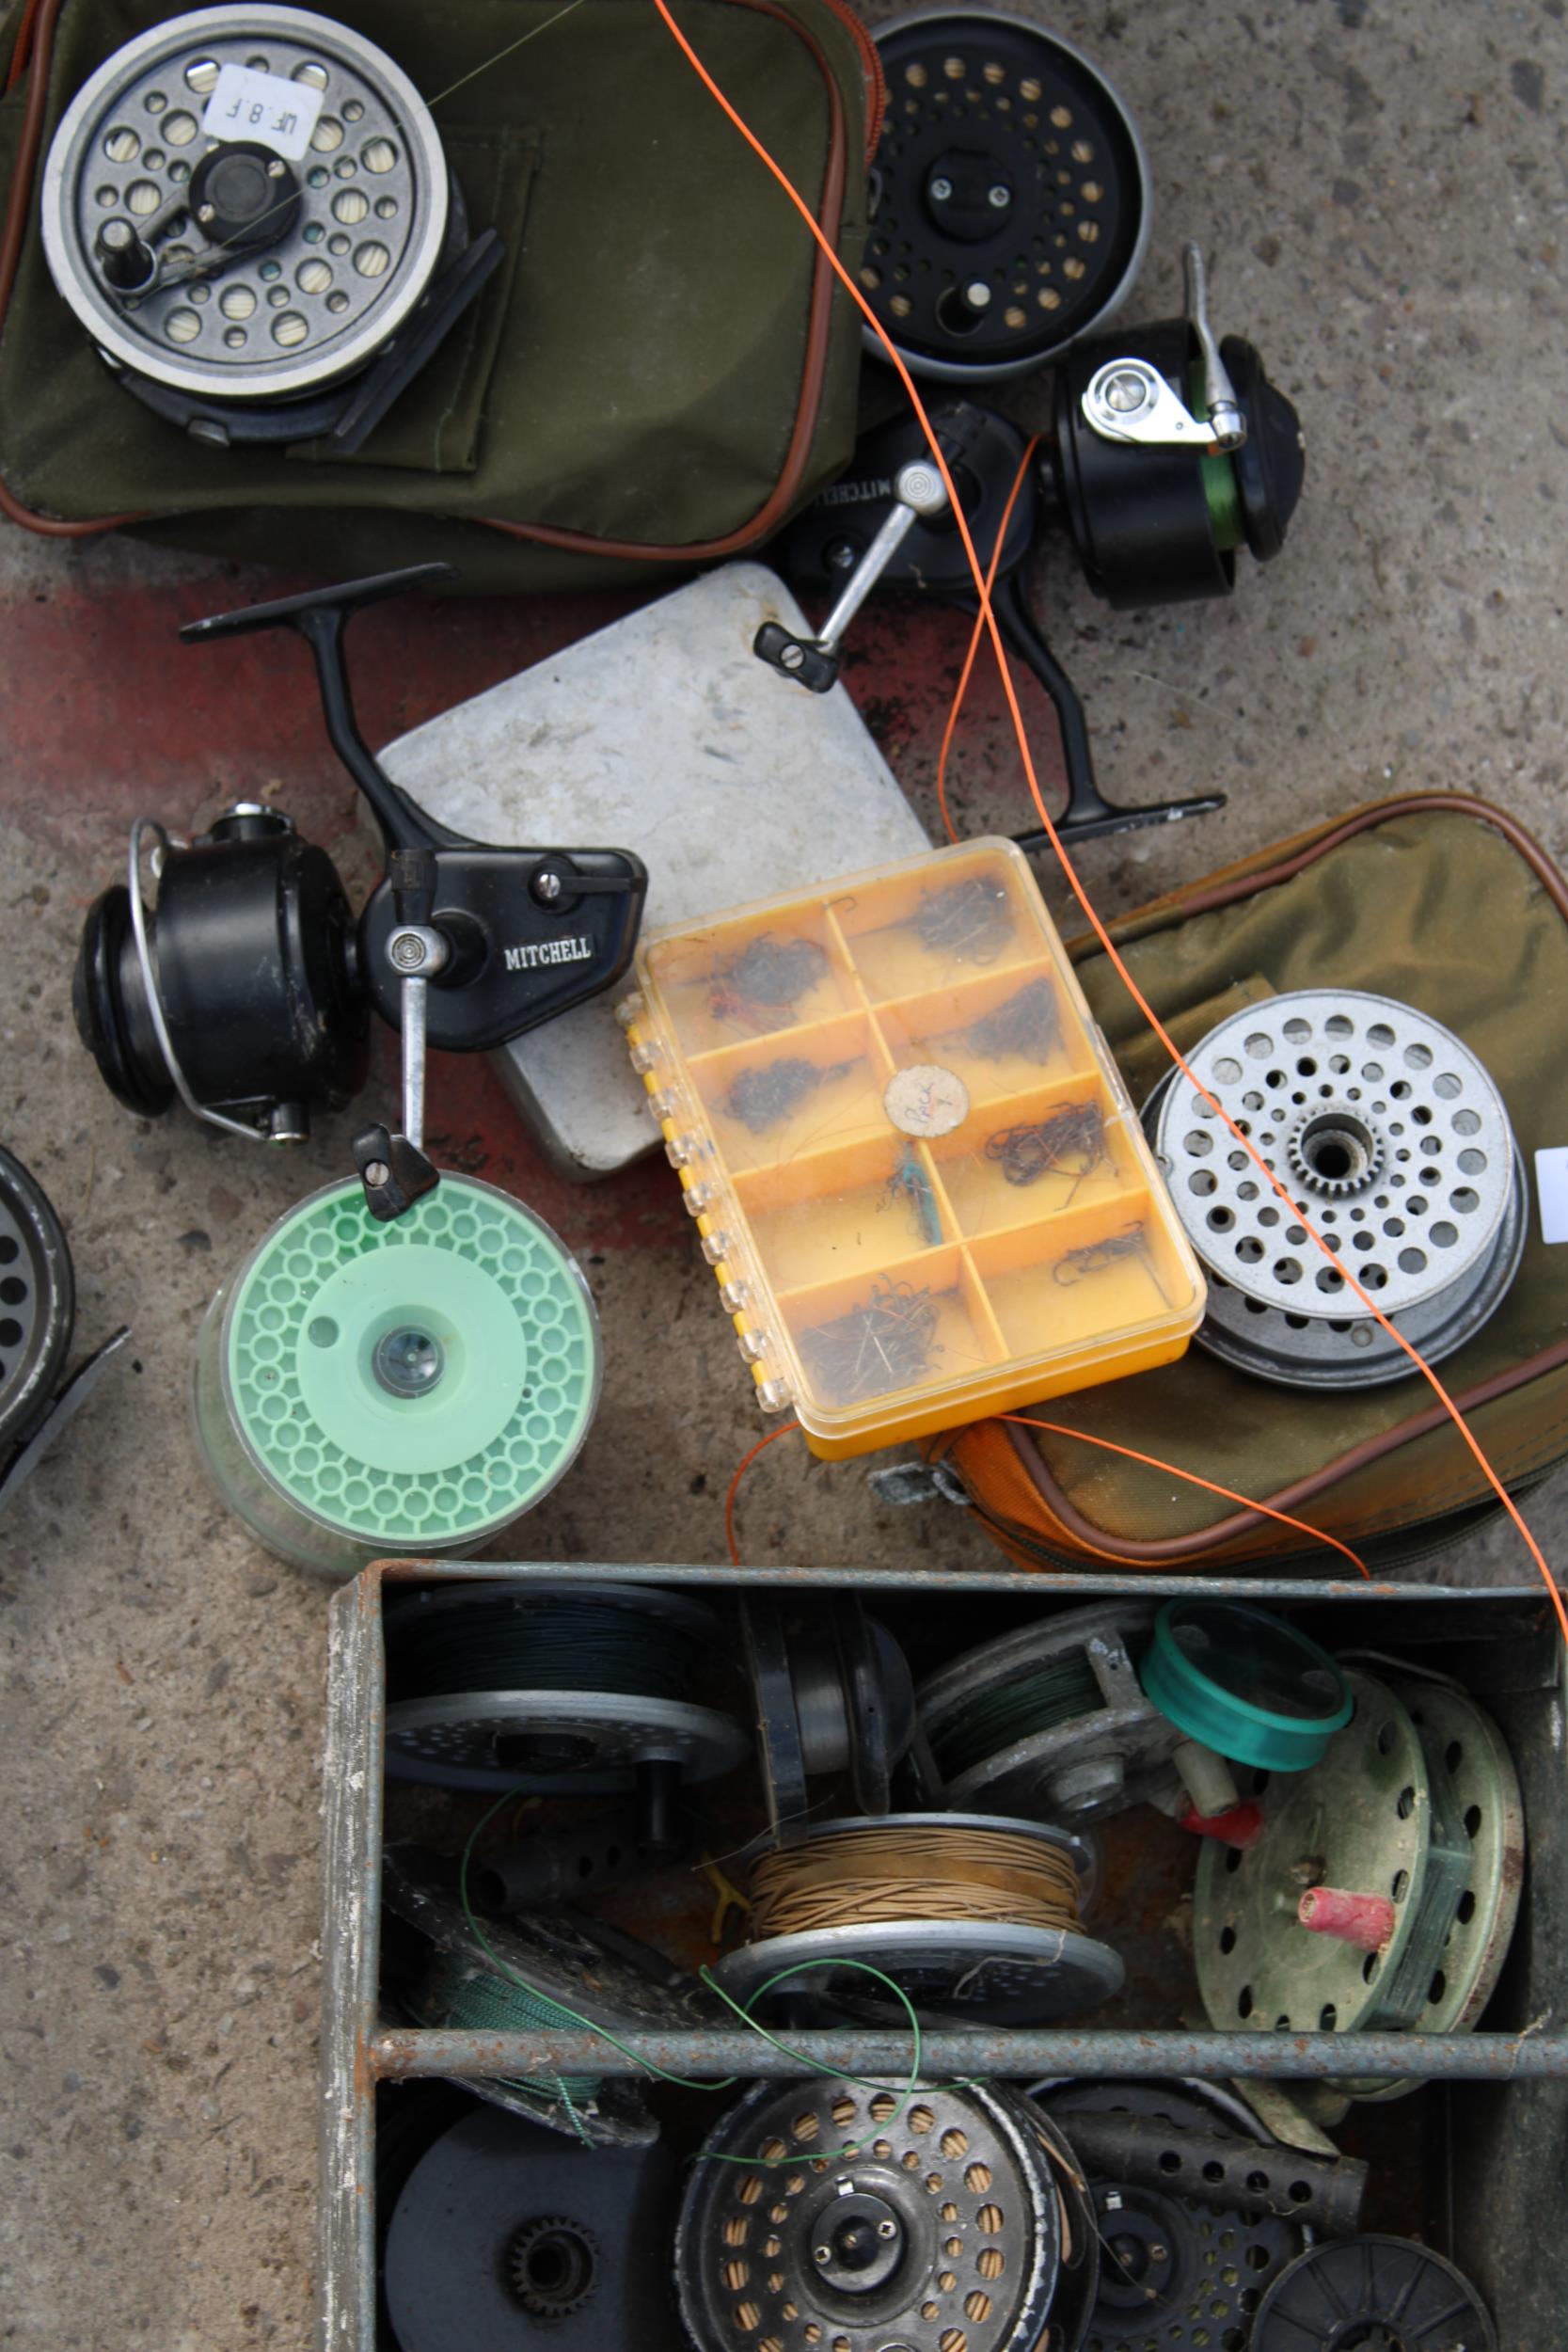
x: 989, y: 619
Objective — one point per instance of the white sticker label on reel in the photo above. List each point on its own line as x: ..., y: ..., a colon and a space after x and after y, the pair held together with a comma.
x: 1551, y: 1190
x: 246, y: 105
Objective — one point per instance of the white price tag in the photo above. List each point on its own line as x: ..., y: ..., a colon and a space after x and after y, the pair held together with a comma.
x: 246, y: 105
x: 1551, y: 1190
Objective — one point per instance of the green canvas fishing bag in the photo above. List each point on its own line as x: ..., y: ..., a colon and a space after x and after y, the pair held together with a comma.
x: 1448, y: 904
x: 661, y: 370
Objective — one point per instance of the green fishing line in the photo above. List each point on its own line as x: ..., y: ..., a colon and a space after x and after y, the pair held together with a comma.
x: 999, y: 1718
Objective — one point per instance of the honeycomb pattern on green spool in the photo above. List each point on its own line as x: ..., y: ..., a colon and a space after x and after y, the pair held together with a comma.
x: 474, y: 1270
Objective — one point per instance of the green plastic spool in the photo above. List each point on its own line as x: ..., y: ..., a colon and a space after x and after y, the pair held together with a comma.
x: 1245, y: 1684
x: 364, y: 1390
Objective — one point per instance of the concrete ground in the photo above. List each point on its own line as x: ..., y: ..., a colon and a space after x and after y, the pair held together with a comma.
x: 1384, y: 194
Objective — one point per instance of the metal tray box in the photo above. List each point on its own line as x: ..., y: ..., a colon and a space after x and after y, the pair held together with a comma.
x: 1489, y: 2136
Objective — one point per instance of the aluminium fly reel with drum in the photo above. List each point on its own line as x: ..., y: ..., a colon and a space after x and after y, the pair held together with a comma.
x: 1391, y: 1138
x: 251, y: 213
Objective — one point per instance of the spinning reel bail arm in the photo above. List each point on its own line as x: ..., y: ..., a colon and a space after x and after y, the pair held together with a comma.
x: 1129, y: 400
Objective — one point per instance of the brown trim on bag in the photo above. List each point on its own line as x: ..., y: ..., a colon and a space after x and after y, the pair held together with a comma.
x: 1240, y: 881
x: 818, y: 324
x: 1246, y: 1524
x: 1224, y: 891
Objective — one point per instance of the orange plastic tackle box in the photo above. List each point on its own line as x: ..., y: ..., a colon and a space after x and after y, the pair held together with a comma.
x: 914, y: 1167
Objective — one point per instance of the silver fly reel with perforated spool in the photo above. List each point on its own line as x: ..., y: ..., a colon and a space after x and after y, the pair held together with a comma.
x: 1050, y: 1719
x: 1390, y: 1137
x: 836, y: 2215
x: 245, y: 207
x: 1383, y: 1891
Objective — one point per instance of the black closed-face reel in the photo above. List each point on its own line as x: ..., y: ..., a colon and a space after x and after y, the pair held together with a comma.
x: 1010, y: 200
x: 246, y: 988
x: 251, y: 213
x: 1168, y: 453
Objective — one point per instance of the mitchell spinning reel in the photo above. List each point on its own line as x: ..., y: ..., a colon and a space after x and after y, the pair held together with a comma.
x: 251, y: 213
x: 1167, y: 453
x: 244, y: 989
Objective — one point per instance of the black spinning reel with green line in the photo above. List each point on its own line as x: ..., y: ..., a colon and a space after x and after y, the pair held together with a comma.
x: 1168, y: 453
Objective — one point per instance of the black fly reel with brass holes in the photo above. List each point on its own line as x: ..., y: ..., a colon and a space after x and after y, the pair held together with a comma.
x: 245, y: 988
x: 834, y: 2214
x: 1167, y: 455
x: 37, y: 1312
x: 1011, y: 197
x: 251, y: 213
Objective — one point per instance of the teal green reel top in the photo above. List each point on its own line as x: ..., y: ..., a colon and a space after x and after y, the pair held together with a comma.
x: 1245, y: 1684
x: 366, y: 1389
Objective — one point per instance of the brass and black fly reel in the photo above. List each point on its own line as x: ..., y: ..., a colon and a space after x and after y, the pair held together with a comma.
x: 833, y: 2213
x: 1010, y: 198
x: 251, y: 211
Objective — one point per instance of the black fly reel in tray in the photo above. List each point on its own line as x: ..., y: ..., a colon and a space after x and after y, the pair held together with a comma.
x: 832, y: 1695
x: 833, y: 2213
x: 561, y: 1689
x: 244, y: 989
x: 497, y: 2235
x: 1174, y: 2260
x: 38, y: 1313
x: 1169, y: 454
x: 249, y: 211
x: 1372, y: 2292
x: 1010, y: 197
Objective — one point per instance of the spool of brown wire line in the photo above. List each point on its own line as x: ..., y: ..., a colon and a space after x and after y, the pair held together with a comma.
x: 975, y: 1917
